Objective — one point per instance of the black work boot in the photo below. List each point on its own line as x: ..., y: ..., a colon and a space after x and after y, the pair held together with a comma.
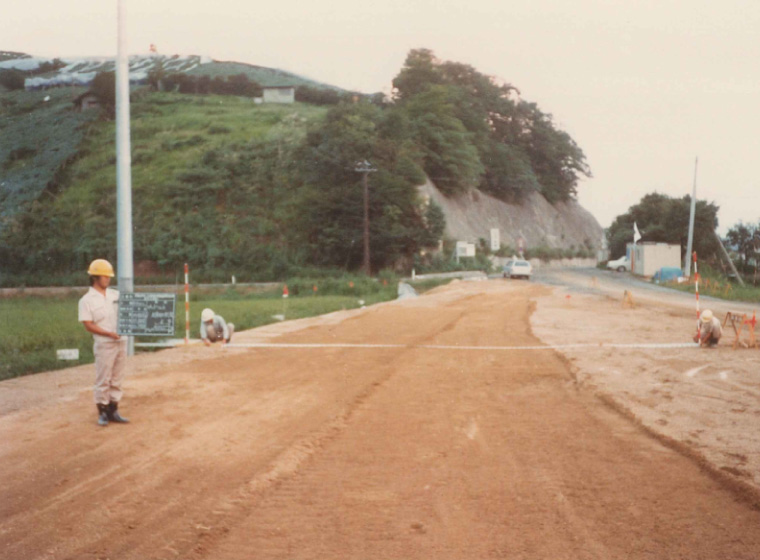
x: 113, y: 413
x: 103, y: 414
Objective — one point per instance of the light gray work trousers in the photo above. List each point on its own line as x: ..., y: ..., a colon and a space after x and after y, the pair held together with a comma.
x: 110, y: 367
x: 214, y: 336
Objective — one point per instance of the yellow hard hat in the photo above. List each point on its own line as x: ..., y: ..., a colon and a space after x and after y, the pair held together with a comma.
x: 100, y: 267
x: 706, y: 316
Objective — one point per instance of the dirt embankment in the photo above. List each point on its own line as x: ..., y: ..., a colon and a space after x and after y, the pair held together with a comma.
x: 704, y: 402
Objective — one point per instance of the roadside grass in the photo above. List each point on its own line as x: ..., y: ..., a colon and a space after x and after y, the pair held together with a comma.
x: 32, y: 328
x: 721, y: 290
x: 717, y: 285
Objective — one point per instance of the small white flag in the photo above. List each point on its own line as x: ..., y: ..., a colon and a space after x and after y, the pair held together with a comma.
x: 636, y: 234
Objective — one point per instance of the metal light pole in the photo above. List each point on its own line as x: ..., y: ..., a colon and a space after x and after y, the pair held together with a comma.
x: 124, y: 251
x: 365, y: 168
x: 687, y: 259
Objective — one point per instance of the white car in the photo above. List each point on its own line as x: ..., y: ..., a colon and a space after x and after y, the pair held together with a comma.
x: 621, y: 265
x: 517, y: 269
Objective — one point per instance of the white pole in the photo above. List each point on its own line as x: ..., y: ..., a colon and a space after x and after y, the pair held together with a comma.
x: 187, y: 304
x: 123, y: 164
x: 687, y: 258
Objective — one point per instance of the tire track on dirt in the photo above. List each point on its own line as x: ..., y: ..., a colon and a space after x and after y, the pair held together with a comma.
x: 473, y: 456
x: 148, y: 474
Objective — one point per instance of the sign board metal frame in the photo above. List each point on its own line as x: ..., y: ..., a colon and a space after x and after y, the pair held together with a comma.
x: 146, y: 314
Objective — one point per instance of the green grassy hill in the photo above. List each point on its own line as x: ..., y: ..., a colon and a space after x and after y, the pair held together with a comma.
x: 261, y: 74
x: 177, y: 143
x: 11, y: 55
x: 39, y: 137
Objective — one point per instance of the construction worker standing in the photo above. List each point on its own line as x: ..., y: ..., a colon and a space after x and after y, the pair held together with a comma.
x: 710, y: 330
x: 214, y: 328
x: 98, y: 312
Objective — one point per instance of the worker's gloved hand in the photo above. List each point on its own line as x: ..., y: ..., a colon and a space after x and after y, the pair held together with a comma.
x: 207, y: 342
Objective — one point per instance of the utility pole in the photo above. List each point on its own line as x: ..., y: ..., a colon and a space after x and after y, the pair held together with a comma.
x: 365, y: 168
x: 687, y: 258
x: 124, y: 251
x: 728, y: 258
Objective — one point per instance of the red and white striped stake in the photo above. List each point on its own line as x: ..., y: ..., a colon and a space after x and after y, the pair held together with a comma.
x: 187, y: 305
x: 696, y: 287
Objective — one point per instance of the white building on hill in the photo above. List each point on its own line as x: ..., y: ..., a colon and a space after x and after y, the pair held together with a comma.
x: 279, y: 94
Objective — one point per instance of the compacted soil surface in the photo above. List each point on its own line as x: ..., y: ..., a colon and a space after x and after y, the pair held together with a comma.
x: 436, y: 427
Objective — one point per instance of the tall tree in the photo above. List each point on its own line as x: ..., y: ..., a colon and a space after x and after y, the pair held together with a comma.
x: 664, y: 219
x: 518, y: 147
x: 331, y: 208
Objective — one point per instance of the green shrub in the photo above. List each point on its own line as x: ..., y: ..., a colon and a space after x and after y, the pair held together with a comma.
x: 12, y: 79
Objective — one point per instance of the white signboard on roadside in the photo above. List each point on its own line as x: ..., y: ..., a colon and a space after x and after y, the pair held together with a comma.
x: 465, y: 249
x: 495, y: 239
x: 67, y: 354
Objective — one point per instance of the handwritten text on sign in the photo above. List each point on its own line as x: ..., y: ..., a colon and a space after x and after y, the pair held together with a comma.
x: 145, y: 314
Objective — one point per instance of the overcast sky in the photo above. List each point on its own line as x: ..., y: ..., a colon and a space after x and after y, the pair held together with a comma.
x: 643, y: 86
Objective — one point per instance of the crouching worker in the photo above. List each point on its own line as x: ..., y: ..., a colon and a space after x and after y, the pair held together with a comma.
x: 709, y: 331
x: 214, y: 328
x: 98, y: 312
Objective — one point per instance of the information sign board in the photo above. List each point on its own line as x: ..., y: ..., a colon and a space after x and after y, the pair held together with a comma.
x: 67, y: 354
x: 495, y: 239
x: 146, y: 314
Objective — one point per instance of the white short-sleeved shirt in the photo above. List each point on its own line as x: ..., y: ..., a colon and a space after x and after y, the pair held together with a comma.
x: 101, y: 310
x: 711, y: 327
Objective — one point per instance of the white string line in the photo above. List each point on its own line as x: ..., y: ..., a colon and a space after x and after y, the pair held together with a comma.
x: 285, y: 345
x: 457, y: 347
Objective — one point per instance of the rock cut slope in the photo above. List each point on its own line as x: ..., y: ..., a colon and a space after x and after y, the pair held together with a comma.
x: 470, y: 217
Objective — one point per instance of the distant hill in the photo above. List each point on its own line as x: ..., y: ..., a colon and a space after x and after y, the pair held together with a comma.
x: 41, y: 132
x: 261, y: 74
x: 262, y: 190
x: 81, y: 70
x: 10, y: 55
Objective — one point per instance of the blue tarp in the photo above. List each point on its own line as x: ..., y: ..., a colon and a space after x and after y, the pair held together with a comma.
x: 666, y: 274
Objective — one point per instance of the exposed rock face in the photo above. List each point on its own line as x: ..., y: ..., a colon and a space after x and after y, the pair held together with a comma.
x: 470, y: 217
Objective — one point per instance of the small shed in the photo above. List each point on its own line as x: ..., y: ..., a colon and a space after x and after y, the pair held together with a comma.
x: 650, y: 256
x: 279, y: 94
x: 86, y: 101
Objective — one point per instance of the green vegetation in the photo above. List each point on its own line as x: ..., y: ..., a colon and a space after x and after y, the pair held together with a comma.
x: 12, y: 79
x: 474, y: 131
x: 267, y: 192
x: 259, y: 74
x: 744, y: 240
x: 717, y: 284
x: 39, y: 140
x: 185, y: 149
x: 33, y: 328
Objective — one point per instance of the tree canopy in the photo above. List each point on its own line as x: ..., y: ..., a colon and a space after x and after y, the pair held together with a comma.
x: 744, y: 240
x: 661, y: 218
x: 503, y: 145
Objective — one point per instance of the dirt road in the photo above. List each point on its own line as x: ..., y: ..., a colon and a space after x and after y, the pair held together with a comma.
x: 362, y: 452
